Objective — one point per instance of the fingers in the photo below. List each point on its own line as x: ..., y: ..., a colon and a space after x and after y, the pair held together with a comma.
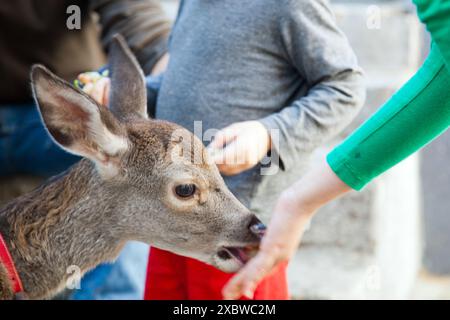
x: 278, y: 245
x: 225, y: 152
x: 231, y: 154
x: 239, y: 147
x: 100, y: 90
x: 223, y: 137
x: 85, y: 78
x: 96, y: 86
x: 232, y: 170
x: 233, y: 159
x: 246, y: 281
x: 106, y: 91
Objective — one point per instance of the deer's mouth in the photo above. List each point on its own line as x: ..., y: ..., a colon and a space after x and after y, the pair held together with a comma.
x: 239, y: 254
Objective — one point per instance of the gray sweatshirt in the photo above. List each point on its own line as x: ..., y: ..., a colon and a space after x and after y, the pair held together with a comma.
x: 282, y: 62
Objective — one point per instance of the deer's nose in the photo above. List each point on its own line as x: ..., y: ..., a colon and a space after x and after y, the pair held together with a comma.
x: 257, y: 227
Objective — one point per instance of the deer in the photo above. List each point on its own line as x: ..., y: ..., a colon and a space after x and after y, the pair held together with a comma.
x: 139, y: 179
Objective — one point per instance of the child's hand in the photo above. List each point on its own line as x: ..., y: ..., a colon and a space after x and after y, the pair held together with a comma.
x: 240, y: 147
x: 95, y: 85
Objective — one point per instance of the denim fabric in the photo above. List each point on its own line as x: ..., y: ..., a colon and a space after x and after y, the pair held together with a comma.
x: 122, y: 280
x: 26, y: 148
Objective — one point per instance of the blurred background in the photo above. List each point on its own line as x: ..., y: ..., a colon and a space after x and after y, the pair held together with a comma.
x: 392, y: 240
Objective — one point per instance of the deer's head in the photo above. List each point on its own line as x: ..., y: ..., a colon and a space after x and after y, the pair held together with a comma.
x: 168, y: 193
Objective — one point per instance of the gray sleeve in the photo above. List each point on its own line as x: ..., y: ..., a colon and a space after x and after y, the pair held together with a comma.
x: 143, y: 24
x: 322, y: 55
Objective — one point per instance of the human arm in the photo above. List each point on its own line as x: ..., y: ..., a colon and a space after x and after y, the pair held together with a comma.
x: 320, y: 55
x: 435, y: 14
x: 403, y: 116
x: 292, y: 213
x: 414, y: 116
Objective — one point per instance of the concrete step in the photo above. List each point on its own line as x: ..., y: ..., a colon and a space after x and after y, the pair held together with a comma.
x: 387, y: 37
x: 321, y: 272
x: 343, y: 273
x: 436, y: 185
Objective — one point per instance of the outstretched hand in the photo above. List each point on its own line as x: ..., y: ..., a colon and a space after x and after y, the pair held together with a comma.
x: 292, y: 213
x: 278, y: 246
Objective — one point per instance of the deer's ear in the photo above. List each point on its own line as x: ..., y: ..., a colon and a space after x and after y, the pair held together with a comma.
x: 128, y: 97
x: 75, y: 121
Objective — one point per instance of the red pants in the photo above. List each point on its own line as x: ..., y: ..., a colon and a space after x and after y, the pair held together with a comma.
x: 173, y: 277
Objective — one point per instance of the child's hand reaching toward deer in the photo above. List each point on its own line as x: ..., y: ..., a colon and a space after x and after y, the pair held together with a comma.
x: 240, y: 147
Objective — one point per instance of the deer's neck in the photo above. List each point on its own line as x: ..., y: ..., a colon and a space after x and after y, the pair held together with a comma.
x: 60, y: 230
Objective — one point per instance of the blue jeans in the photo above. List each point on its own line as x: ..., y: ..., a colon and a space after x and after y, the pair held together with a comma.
x: 26, y: 148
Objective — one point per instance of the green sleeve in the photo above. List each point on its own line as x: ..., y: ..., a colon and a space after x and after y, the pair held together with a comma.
x: 436, y: 16
x: 414, y: 116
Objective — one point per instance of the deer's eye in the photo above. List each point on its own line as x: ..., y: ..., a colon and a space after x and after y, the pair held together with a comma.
x: 185, y: 190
